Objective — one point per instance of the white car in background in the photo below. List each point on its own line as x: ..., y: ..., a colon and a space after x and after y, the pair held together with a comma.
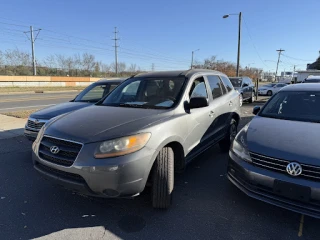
x: 270, y: 89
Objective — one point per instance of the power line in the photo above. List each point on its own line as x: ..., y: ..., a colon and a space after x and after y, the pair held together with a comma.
x: 245, y: 23
x: 298, y: 59
x: 12, y: 24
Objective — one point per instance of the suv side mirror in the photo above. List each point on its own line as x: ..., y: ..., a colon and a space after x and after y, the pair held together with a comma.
x: 198, y: 102
x: 245, y: 85
x: 256, y: 109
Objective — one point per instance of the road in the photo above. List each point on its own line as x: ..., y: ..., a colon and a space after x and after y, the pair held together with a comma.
x: 18, y: 102
x: 205, y: 206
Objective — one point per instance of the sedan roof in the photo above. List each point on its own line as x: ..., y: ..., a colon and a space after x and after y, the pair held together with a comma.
x: 302, y: 87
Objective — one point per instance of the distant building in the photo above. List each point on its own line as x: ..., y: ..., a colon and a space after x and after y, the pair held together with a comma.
x: 302, y: 75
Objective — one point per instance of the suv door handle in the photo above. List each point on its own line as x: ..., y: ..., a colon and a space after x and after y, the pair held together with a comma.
x: 211, y: 114
x: 230, y: 103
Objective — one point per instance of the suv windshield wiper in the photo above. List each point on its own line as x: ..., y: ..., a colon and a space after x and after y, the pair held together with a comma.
x: 132, y: 105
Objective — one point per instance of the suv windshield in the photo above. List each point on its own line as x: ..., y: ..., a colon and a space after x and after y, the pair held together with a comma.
x: 297, y: 106
x: 236, y: 82
x: 147, y: 93
x: 94, y: 92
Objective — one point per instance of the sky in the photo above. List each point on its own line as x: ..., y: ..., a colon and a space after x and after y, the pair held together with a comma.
x: 165, y: 33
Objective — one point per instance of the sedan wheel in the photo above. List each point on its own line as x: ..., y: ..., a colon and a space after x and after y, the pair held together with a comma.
x: 269, y: 93
x: 241, y: 99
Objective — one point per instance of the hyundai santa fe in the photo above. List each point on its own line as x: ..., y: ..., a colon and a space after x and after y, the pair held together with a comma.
x: 276, y: 158
x: 150, y: 126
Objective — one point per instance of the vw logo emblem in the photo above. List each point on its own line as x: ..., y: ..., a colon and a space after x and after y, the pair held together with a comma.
x: 54, y: 149
x: 294, y: 169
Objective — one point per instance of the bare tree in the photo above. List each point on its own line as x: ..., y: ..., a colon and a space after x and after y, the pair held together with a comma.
x: 132, y: 68
x: 50, y: 61
x: 88, y: 62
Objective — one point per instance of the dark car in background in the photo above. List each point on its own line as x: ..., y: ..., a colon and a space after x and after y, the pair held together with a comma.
x: 245, y: 87
x: 276, y: 157
x: 90, y: 95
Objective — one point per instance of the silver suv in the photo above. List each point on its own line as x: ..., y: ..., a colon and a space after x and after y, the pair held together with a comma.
x: 150, y: 126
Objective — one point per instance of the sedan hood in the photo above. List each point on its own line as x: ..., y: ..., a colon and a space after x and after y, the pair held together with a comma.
x: 98, y: 123
x: 284, y: 139
x: 56, y: 110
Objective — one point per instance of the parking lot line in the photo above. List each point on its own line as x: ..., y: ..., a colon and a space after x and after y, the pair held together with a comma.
x: 301, y: 226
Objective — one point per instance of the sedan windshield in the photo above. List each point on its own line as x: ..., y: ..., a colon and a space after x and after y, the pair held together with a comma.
x: 95, y: 92
x: 312, y: 80
x: 297, y: 106
x: 153, y: 93
x: 236, y: 82
x: 269, y: 85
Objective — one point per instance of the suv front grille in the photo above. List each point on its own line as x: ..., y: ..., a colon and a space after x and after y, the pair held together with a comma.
x: 35, y: 125
x: 280, y: 165
x: 68, y: 151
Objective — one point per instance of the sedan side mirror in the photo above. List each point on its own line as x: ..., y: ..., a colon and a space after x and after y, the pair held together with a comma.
x: 198, y: 102
x: 256, y: 109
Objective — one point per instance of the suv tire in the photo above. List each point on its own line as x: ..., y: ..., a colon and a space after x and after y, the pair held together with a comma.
x: 232, y: 132
x: 163, y: 179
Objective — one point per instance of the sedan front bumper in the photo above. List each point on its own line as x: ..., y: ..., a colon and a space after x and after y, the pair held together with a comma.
x: 30, y: 134
x: 262, y: 184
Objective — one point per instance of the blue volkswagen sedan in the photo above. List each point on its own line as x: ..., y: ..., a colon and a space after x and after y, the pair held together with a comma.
x: 276, y: 157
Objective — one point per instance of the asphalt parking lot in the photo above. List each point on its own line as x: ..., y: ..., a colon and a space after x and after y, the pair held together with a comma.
x: 205, y: 206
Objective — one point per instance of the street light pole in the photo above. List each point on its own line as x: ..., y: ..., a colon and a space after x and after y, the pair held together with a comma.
x: 239, y: 42
x: 191, y: 67
x: 239, y: 39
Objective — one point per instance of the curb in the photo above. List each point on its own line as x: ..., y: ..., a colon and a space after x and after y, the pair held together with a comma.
x: 37, y: 92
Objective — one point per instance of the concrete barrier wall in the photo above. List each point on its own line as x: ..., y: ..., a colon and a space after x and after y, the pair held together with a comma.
x: 46, y: 81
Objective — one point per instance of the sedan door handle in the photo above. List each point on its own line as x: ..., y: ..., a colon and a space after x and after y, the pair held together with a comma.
x: 211, y: 114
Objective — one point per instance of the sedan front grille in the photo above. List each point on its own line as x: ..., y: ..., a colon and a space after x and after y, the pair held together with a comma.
x: 37, y: 125
x: 280, y: 165
x: 67, y: 154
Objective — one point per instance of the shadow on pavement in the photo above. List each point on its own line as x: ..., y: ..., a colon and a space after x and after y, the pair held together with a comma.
x: 205, y: 206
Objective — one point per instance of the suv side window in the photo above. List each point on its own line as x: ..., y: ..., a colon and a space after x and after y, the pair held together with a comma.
x: 249, y: 81
x: 215, y: 85
x: 198, y: 88
x: 227, y: 83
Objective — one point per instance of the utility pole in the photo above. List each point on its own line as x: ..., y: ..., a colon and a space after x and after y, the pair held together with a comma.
x: 239, y: 44
x: 152, y: 67
x: 192, y: 58
x: 280, y: 51
x: 116, y: 49
x: 33, y: 39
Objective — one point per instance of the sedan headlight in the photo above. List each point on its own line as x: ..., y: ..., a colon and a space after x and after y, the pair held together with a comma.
x: 239, y: 145
x: 122, y: 146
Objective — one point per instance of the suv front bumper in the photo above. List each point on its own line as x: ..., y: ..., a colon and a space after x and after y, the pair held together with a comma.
x: 124, y: 176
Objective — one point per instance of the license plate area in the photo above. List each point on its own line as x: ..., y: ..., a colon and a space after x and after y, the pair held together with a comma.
x: 292, y: 191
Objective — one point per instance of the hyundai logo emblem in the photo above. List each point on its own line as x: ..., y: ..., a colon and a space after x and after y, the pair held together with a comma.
x: 294, y: 169
x: 54, y: 149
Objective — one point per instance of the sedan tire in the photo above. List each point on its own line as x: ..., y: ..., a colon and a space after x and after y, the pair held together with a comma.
x: 269, y: 93
x: 251, y: 100
x: 163, y: 179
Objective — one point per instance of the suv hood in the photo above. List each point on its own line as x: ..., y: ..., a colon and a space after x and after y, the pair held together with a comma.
x: 284, y: 139
x: 99, y: 123
x: 56, y: 110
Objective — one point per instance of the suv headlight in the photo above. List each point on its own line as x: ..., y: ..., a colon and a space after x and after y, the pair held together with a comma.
x: 239, y: 145
x: 122, y: 146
